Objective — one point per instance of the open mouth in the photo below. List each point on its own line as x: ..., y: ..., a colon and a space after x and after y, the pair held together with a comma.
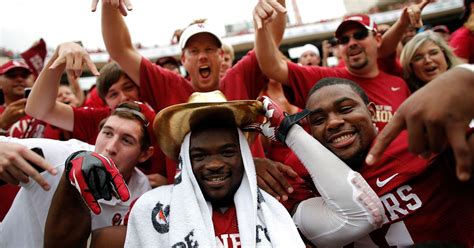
x: 204, y: 71
x: 430, y: 69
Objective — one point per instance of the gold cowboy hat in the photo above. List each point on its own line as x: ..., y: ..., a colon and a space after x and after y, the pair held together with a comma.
x: 174, y: 122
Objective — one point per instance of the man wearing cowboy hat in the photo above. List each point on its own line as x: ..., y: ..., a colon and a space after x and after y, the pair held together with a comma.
x: 215, y: 201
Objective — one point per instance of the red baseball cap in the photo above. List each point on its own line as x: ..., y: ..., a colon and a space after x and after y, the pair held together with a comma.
x: 361, y: 19
x: 13, y: 64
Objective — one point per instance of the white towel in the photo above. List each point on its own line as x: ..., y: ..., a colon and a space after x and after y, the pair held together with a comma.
x: 181, y: 215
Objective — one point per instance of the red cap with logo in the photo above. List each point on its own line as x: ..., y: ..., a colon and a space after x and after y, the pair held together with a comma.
x: 13, y: 64
x: 361, y: 19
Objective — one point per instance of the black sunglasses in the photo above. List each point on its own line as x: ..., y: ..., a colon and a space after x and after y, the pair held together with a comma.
x: 20, y: 72
x: 359, y: 35
x: 133, y: 109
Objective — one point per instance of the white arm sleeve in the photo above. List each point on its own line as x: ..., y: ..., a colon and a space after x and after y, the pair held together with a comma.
x: 348, y: 209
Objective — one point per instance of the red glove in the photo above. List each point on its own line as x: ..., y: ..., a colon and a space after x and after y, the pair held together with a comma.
x: 278, y: 123
x: 95, y: 177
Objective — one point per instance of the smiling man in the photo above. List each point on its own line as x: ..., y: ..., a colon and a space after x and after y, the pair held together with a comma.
x: 422, y: 198
x: 214, y: 202
x: 359, y: 41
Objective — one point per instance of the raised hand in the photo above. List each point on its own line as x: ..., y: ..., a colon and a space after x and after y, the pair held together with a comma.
x: 95, y: 177
x: 413, y: 13
x: 74, y: 57
x: 122, y: 5
x: 266, y: 11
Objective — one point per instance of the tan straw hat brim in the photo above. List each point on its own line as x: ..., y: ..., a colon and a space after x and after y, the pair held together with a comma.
x: 174, y: 122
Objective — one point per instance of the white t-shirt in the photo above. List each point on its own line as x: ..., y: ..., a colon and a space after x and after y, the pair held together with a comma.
x: 23, y: 226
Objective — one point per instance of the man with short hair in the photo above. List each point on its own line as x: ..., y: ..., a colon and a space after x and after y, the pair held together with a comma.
x: 201, y: 56
x: 359, y: 42
x: 124, y: 139
x: 114, y: 86
x: 422, y: 198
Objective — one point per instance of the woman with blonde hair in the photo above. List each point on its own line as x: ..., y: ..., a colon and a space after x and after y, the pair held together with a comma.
x: 425, y: 57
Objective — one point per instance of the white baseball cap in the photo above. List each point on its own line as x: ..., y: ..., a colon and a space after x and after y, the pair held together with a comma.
x: 197, y: 29
x: 296, y: 52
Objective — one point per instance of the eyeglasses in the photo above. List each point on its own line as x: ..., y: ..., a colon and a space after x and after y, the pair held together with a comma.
x: 431, y: 53
x: 133, y: 109
x: 359, y: 35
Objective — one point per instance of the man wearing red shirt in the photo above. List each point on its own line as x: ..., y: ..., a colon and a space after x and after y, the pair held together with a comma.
x: 463, y: 38
x: 113, y: 85
x: 201, y: 57
x: 423, y: 200
x: 359, y: 42
x: 15, y: 76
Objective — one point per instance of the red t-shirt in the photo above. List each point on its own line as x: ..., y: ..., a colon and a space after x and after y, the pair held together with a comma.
x: 386, y: 91
x: 93, y: 99
x: 391, y: 65
x: 162, y: 88
x: 226, y: 227
x: 462, y: 41
x: 87, y: 121
x: 7, y: 194
x: 423, y: 200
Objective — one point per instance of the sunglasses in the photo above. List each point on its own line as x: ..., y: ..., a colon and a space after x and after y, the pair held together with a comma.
x: 359, y: 35
x: 14, y: 73
x: 133, y: 109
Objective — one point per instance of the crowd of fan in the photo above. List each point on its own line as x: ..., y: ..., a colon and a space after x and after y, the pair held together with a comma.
x: 150, y: 156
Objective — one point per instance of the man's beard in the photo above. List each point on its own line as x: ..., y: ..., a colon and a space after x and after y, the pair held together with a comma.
x: 359, y: 65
